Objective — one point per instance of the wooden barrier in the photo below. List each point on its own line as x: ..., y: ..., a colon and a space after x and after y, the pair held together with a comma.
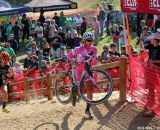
x: 122, y: 65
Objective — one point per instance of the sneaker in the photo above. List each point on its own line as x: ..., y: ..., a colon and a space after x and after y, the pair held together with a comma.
x: 89, y: 113
x: 5, y: 110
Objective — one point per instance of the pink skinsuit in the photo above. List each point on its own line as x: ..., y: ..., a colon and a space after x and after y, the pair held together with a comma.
x: 80, y: 52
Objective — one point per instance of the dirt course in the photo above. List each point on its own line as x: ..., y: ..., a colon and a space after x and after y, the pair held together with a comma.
x: 40, y: 114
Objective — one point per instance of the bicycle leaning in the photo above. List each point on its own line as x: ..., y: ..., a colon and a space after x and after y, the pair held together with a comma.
x: 68, y: 89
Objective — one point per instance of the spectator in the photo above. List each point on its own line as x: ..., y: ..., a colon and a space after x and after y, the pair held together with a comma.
x: 62, y: 52
x: 105, y: 53
x: 144, y: 35
x: 154, y: 48
x: 27, y: 60
x: 13, y: 43
x: 29, y: 43
x: 46, y: 52
x: 123, y: 51
x: 114, y: 55
x: 149, y: 21
x: 95, y: 29
x: 25, y: 22
x: 115, y: 35
x: 41, y: 18
x: 34, y: 64
x: 39, y: 33
x: 33, y: 49
x: 43, y: 64
x: 56, y: 18
x: 83, y: 26
x: 107, y: 22
x: 9, y: 30
x: 76, y: 40
x: 62, y: 21
x: 11, y: 52
x: 157, y: 23
x: 62, y: 35
x: 56, y: 48
x: 69, y: 38
x: 101, y: 19
x: 3, y: 32
x: 16, y: 32
x: 53, y: 23
x: 122, y: 35
x: 78, y: 23
x: 17, y: 68
x: 52, y: 32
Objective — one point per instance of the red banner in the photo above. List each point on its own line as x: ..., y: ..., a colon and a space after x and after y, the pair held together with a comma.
x: 141, y: 6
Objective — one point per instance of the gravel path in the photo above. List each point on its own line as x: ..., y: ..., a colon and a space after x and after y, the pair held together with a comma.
x: 40, y: 114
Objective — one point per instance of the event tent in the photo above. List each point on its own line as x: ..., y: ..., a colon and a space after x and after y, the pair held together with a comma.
x: 51, y: 5
x: 6, y: 8
x: 12, y: 11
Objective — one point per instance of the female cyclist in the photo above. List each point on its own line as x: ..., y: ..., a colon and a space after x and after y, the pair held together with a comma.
x: 80, y: 52
x: 5, y: 73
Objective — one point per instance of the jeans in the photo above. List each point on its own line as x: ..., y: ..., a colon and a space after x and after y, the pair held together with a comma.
x: 107, y: 28
x: 101, y: 23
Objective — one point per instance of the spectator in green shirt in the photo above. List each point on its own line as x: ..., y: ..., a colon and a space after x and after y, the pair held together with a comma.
x: 9, y: 30
x: 62, y: 21
x: 11, y: 52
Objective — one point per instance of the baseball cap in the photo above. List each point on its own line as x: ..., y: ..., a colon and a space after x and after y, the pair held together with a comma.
x: 158, y: 30
x: 154, y: 36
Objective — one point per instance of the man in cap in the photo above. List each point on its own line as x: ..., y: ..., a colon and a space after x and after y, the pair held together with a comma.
x: 154, y: 48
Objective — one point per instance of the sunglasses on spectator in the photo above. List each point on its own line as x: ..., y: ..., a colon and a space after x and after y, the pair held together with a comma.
x: 89, y: 40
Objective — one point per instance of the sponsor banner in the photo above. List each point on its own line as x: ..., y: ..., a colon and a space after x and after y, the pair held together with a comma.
x: 56, y: 7
x: 141, y: 6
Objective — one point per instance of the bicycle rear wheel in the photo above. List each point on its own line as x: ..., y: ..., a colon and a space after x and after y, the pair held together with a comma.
x: 63, y: 88
x: 102, y: 90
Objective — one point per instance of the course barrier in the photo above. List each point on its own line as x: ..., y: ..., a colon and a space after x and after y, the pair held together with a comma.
x: 145, y: 83
x: 41, y: 83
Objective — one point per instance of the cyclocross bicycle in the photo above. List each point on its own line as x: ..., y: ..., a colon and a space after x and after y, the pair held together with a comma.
x: 67, y: 88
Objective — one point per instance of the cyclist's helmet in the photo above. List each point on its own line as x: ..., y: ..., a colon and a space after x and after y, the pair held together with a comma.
x: 88, y: 35
x: 5, y: 57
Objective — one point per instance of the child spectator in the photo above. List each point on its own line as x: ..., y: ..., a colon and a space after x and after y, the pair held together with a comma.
x: 17, y: 68
x: 43, y: 64
x: 95, y: 29
x: 123, y: 51
x: 33, y: 49
x: 105, y: 53
x: 122, y: 35
x: 145, y: 33
x: 46, y: 52
x: 27, y: 60
x: 115, y: 35
x: 62, y: 51
x: 114, y: 55
x: 34, y: 64
x: 29, y: 43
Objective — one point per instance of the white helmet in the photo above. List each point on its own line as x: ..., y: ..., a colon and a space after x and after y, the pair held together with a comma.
x: 88, y: 35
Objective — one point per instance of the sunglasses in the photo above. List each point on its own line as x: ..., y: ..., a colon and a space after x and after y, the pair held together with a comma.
x: 89, y: 40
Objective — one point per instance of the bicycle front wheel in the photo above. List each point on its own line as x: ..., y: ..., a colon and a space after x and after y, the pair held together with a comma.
x: 101, y: 89
x: 63, y: 88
